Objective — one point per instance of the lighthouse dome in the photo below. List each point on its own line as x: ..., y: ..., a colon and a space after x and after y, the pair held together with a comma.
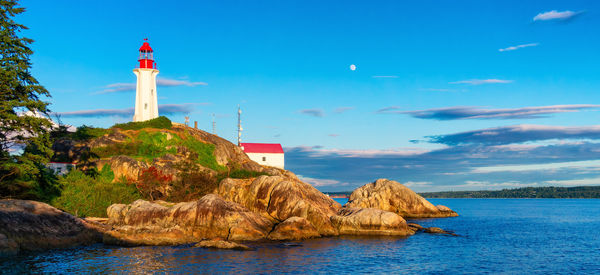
x: 145, y: 47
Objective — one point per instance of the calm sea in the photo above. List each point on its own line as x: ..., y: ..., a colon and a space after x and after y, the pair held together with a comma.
x: 522, y: 236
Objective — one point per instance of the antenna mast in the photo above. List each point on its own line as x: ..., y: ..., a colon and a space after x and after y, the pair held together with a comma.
x: 214, y: 125
x: 239, y: 126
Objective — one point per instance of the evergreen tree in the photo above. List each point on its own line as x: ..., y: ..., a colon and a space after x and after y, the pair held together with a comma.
x: 24, y: 139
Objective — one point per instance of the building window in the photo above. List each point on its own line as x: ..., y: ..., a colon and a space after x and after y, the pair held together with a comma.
x: 264, y: 158
x: 145, y: 106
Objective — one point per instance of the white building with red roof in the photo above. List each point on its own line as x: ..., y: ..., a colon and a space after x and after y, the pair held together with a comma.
x: 269, y: 154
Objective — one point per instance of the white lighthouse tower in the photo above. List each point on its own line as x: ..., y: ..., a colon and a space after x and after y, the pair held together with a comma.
x: 146, y: 103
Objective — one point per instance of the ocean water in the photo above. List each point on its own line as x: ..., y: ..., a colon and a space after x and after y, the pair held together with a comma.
x: 509, y: 236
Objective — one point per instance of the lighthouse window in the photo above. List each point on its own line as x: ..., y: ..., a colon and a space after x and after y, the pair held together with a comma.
x: 152, y: 91
x: 264, y: 158
x: 145, y: 106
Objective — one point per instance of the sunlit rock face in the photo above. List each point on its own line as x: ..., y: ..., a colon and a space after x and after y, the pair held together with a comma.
x: 370, y: 221
x: 281, y: 197
x: 158, y: 223
x: 392, y: 196
x: 31, y: 226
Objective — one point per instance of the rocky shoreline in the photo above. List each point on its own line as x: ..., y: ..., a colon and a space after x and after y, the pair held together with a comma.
x: 274, y: 208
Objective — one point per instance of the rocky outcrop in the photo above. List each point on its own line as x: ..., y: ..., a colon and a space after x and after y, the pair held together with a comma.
x: 282, y: 197
x: 31, y: 225
x: 392, y: 196
x: 294, y: 228
x: 370, y: 221
x: 126, y: 167
x: 147, y: 223
x: 221, y: 244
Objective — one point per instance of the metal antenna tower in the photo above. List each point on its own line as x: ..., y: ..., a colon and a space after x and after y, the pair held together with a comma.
x: 214, y: 125
x: 239, y: 126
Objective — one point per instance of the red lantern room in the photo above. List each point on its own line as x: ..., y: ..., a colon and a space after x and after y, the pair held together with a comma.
x: 146, y: 58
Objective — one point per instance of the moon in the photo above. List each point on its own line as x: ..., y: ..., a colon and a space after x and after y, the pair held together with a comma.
x: 353, y: 67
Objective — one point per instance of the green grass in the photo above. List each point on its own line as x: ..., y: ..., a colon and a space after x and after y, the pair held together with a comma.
x: 160, y: 122
x: 84, y: 195
x: 148, y: 146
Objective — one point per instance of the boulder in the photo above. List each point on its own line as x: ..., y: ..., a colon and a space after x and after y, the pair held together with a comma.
x: 370, y: 221
x: 221, y: 244
x: 151, y: 223
x: 294, y: 228
x: 31, y: 225
x: 392, y: 196
x: 415, y: 227
x: 437, y: 230
x: 125, y: 167
x: 281, y: 197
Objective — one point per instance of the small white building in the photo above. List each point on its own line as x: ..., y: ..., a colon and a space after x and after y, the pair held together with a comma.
x: 61, y: 168
x: 269, y: 154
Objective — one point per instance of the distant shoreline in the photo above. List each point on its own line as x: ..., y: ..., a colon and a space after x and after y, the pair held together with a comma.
x: 551, y: 192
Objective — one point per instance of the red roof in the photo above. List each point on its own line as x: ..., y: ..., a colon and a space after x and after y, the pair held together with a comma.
x: 262, y: 148
x: 145, y: 47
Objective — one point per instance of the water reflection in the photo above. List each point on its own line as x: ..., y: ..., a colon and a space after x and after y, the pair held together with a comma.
x: 497, y: 236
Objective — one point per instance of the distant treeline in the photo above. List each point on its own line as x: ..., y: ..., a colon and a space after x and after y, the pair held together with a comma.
x: 580, y: 192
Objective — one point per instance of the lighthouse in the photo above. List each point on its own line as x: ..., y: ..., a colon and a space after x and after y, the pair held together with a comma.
x: 146, y: 103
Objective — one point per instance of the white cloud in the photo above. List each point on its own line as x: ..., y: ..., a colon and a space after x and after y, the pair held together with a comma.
x: 160, y: 82
x: 416, y: 183
x: 340, y: 110
x: 313, y: 112
x: 481, y: 81
x: 575, y: 182
x: 555, y: 15
x: 322, y: 182
x: 512, y: 48
x: 539, y: 167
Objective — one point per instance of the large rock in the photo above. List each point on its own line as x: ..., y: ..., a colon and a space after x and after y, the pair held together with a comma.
x: 392, y: 196
x: 282, y: 197
x: 31, y: 225
x: 147, y: 223
x: 221, y: 244
x: 370, y: 221
x: 294, y: 228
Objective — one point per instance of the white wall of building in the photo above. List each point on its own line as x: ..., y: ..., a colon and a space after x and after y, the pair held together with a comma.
x: 146, y: 103
x: 268, y: 159
x: 60, y: 168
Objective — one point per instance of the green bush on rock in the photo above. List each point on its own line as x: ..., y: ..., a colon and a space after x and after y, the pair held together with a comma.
x: 84, y: 195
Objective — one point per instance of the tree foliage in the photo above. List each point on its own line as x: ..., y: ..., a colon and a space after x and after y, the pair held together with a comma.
x: 24, y: 124
x: 579, y: 192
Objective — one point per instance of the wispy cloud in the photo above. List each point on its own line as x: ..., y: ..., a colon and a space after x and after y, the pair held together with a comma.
x: 388, y: 110
x: 340, y: 110
x: 518, y: 134
x: 512, y: 48
x: 556, y: 15
x: 160, y: 82
x: 334, y: 135
x: 385, y: 76
x: 322, y: 182
x: 165, y: 82
x: 313, y: 112
x: 471, y: 165
x: 167, y: 109
x: 467, y: 112
x: 481, y: 81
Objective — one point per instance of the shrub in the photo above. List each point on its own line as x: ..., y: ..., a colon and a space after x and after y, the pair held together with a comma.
x: 160, y: 122
x: 84, y: 195
x: 85, y: 132
x: 152, y: 183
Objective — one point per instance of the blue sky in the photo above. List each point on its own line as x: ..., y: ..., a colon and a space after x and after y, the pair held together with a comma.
x: 447, y: 95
